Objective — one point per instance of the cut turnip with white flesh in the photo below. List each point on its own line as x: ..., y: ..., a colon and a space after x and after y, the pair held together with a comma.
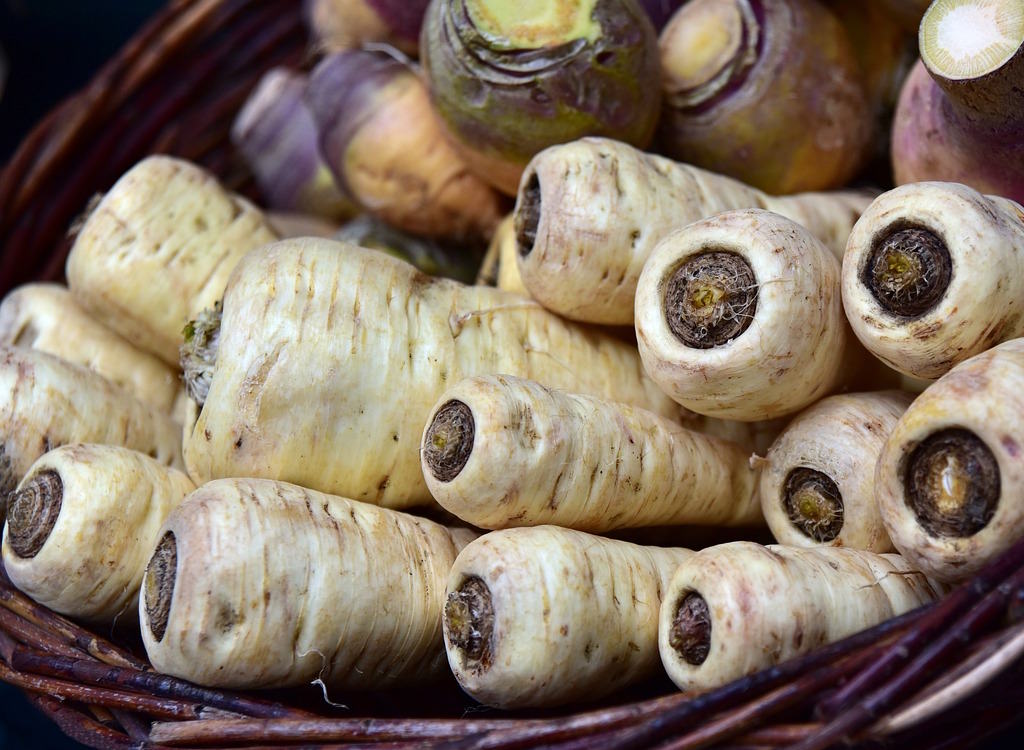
x: 961, y: 111
x: 949, y: 481
x: 934, y: 274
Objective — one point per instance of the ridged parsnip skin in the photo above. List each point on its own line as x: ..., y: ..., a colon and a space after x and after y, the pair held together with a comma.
x: 158, y: 249
x: 984, y: 301
x: 769, y: 604
x: 983, y: 395
x: 543, y: 456
x: 46, y: 402
x: 796, y: 348
x: 332, y: 356
x: 48, y: 318
x: 840, y: 437
x: 277, y: 585
x: 601, y: 207
x: 575, y: 615
x: 113, y: 503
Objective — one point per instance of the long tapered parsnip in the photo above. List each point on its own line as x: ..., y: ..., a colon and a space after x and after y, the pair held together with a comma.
x: 739, y: 316
x: 47, y: 317
x: 949, y: 480
x: 46, y: 402
x: 589, y: 214
x: 158, y: 249
x: 330, y: 358
x: 81, y: 526
x: 545, y: 615
x: 257, y: 583
x: 817, y: 480
x: 502, y: 451
x: 736, y: 608
x: 934, y: 274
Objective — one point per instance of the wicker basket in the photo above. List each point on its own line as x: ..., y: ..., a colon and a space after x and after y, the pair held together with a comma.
x: 907, y: 683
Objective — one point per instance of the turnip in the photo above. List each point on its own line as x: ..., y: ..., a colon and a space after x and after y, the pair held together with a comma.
x: 330, y: 358
x: 158, y: 249
x: 961, y: 112
x: 82, y: 523
x: 817, y: 480
x: 589, y: 213
x: 546, y: 615
x: 736, y: 608
x: 949, y: 477
x: 48, y: 318
x: 932, y: 275
x: 256, y: 583
x: 501, y: 451
x: 769, y: 93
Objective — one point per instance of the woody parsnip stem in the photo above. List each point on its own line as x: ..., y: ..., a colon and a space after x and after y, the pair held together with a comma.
x: 932, y: 275
x: 501, y: 451
x: 158, y: 249
x: 733, y: 609
x: 590, y: 212
x: 82, y: 524
x: 331, y: 357
x: 948, y: 482
x: 256, y: 583
x: 545, y: 615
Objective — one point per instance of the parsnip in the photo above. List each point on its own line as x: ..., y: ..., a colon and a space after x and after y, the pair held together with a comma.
x: 81, y: 526
x: 933, y: 274
x: 503, y: 250
x: 817, y: 480
x: 47, y: 317
x: 949, y: 480
x: 546, y: 615
x: 257, y: 583
x: 739, y: 316
x: 158, y: 249
x: 736, y: 608
x: 331, y: 357
x: 46, y: 402
x: 501, y: 451
x: 589, y: 214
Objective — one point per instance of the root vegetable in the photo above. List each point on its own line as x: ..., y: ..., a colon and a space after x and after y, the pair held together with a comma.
x: 81, y: 526
x: 510, y: 78
x: 817, y: 480
x: 500, y: 451
x: 158, y: 249
x: 739, y: 316
x: 503, y: 246
x: 385, y: 147
x: 933, y: 275
x: 961, y: 112
x: 47, y: 317
x: 769, y: 93
x: 546, y: 615
x: 256, y: 583
x: 330, y: 358
x: 288, y: 225
x: 949, y: 479
x: 736, y: 608
x: 276, y: 134
x: 46, y: 402
x: 589, y: 214
x: 338, y: 25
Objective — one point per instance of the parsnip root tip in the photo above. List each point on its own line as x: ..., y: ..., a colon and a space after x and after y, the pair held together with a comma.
x: 469, y: 621
x: 690, y: 634
x: 814, y: 504
x: 449, y: 440
x: 527, y: 218
x: 952, y: 485
x: 160, y: 576
x: 33, y: 512
x: 908, y: 271
x: 710, y: 299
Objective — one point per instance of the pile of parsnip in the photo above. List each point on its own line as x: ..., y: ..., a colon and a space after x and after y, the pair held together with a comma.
x: 239, y: 423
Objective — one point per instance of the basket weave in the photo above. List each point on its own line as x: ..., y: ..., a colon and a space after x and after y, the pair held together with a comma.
x: 944, y: 676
